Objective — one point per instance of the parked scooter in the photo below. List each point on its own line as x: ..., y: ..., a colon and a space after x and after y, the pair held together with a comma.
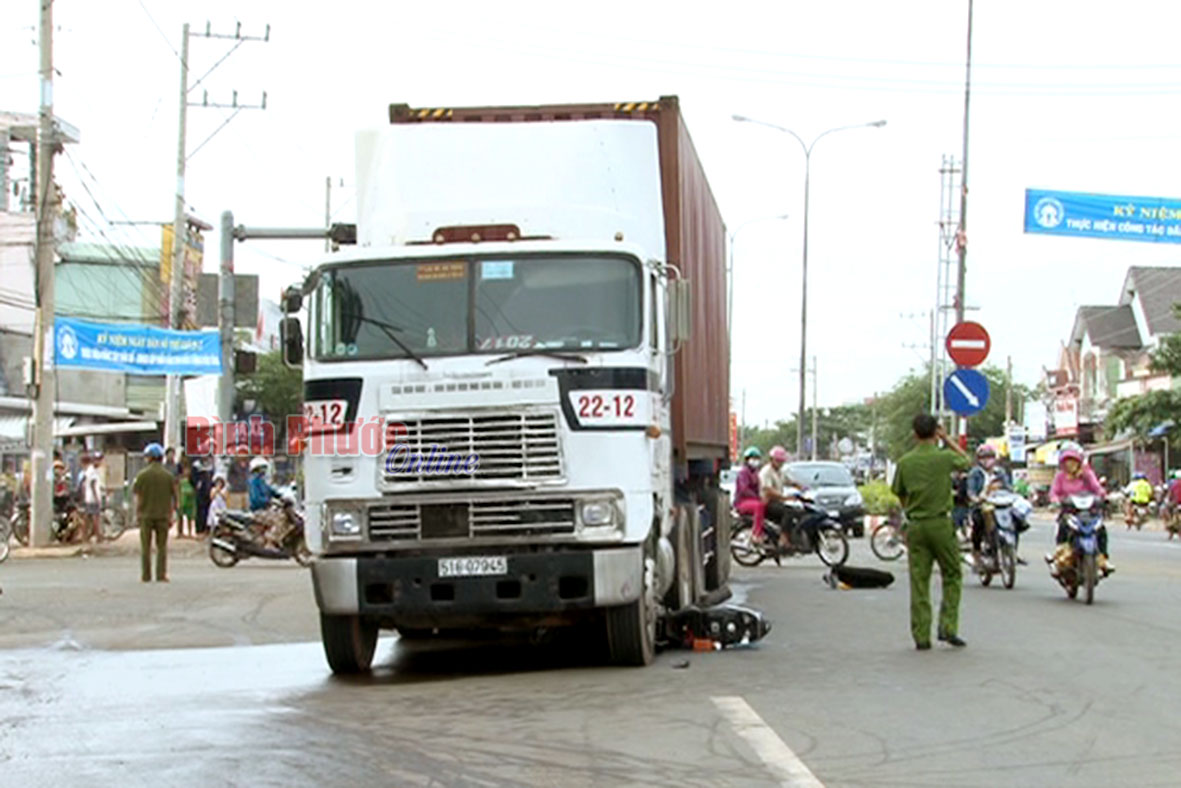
x: 1078, y: 560
x: 65, y: 527
x: 239, y: 534
x: 813, y: 532
x: 68, y: 523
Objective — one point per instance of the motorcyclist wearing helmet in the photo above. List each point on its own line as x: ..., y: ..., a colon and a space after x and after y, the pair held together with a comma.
x: 1075, y: 477
x: 984, y: 477
x: 271, y: 523
x: 1173, y: 498
x: 1139, y: 492
x: 261, y: 492
x: 747, y: 499
x: 773, y: 488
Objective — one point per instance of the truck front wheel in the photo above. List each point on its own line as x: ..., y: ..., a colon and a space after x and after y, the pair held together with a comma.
x: 631, y: 628
x: 349, y: 642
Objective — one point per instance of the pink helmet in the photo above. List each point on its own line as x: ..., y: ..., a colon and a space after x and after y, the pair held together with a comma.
x: 778, y: 453
x: 1070, y: 454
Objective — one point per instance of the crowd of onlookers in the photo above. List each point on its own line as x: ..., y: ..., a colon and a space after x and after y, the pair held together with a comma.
x: 197, y: 491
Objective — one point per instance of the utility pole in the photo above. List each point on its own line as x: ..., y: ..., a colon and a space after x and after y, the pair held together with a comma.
x: 1008, y: 394
x: 43, y: 344
x: 873, y: 433
x: 962, y: 233
x: 815, y: 409
x: 177, y: 271
x: 933, y: 362
x: 225, y: 325
x: 172, y: 432
x: 327, y: 210
x: 743, y: 418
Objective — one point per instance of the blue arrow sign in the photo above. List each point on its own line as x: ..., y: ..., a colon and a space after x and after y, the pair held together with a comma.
x: 966, y: 391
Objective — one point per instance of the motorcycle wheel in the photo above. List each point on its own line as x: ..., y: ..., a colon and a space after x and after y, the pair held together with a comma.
x: 302, y: 555
x: 20, y: 526
x: 1090, y: 577
x: 886, y: 542
x: 831, y: 545
x: 221, y: 556
x: 112, y: 524
x: 5, y: 534
x: 743, y: 548
x: 1008, y: 566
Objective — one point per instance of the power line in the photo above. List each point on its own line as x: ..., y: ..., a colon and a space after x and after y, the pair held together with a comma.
x: 649, y: 43
x: 829, y: 81
x: 152, y: 288
x: 159, y: 30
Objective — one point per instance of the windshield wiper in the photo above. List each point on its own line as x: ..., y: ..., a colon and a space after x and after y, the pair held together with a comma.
x: 389, y: 330
x: 536, y: 352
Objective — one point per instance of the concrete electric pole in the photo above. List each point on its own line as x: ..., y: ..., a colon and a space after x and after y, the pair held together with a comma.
x: 815, y: 408
x: 177, y: 271
x: 961, y: 237
x: 41, y: 513
x: 172, y: 431
x: 225, y: 325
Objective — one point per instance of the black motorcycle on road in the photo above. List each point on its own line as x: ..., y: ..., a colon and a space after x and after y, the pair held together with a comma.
x: 812, y: 531
x: 239, y: 535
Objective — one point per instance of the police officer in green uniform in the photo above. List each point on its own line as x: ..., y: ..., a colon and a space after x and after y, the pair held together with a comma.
x: 155, y: 498
x: 922, y: 481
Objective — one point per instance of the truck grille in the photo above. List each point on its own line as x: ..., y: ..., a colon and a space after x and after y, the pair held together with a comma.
x: 517, y: 446
x: 394, y: 521
x: 545, y: 517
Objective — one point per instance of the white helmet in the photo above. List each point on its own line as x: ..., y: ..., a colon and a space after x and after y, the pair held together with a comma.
x: 259, y: 464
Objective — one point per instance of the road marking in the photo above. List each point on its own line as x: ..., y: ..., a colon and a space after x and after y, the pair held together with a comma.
x: 766, y: 743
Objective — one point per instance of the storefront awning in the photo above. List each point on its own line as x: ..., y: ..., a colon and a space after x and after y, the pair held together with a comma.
x: 14, y: 430
x: 1162, y: 429
x: 113, y: 428
x: 1109, y: 448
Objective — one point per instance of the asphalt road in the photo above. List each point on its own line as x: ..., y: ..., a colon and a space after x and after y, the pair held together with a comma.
x: 218, y: 679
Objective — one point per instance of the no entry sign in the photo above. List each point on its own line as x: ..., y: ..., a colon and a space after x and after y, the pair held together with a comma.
x: 968, y: 344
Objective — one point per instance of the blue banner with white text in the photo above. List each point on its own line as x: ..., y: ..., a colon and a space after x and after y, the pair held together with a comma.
x: 1155, y: 219
x: 134, y: 348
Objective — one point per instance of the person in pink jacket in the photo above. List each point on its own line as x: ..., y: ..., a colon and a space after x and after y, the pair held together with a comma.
x: 747, y: 499
x: 1075, y: 477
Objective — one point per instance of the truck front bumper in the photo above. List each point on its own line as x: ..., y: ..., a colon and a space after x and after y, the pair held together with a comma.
x: 535, y: 584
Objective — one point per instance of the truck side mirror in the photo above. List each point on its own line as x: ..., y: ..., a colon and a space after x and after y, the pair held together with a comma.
x: 292, y: 300
x: 291, y: 338
x: 680, y: 310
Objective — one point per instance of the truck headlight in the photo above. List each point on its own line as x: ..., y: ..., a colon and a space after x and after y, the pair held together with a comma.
x: 596, y: 513
x: 346, y: 523
x: 854, y: 500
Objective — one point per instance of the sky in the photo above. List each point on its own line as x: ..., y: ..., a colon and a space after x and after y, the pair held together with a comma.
x: 1077, y: 96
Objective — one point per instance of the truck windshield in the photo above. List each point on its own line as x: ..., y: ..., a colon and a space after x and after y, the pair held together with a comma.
x: 441, y: 307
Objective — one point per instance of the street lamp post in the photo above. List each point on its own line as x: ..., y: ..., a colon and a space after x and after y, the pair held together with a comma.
x: 730, y: 269
x: 807, y: 147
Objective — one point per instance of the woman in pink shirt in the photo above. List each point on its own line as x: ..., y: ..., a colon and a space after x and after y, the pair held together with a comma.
x: 1074, y: 477
x: 747, y: 499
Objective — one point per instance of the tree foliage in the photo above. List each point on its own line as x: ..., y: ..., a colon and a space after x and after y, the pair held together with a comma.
x: 890, y: 417
x: 1140, y: 414
x: 276, y: 388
